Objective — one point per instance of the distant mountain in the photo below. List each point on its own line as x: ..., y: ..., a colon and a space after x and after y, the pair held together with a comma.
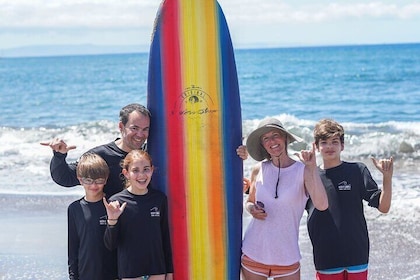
x: 62, y: 50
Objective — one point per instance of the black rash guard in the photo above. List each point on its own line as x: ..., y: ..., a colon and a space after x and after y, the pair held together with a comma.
x: 88, y: 258
x: 141, y: 235
x: 339, y: 234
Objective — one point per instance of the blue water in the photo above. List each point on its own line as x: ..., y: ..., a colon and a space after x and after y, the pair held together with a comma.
x: 370, y: 84
x: 374, y: 91
x: 360, y: 84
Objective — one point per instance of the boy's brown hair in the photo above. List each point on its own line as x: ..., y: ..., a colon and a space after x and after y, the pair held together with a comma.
x: 328, y: 128
x: 91, y: 165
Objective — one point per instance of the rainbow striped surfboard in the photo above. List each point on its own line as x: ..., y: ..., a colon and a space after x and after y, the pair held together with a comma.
x: 196, y: 126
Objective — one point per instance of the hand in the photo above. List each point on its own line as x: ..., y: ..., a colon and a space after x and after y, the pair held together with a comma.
x: 114, y: 209
x: 308, y: 157
x: 385, y: 166
x: 257, y: 212
x: 242, y: 152
x: 58, y: 145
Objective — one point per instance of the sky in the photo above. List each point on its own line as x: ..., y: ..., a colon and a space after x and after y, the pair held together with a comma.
x: 252, y: 23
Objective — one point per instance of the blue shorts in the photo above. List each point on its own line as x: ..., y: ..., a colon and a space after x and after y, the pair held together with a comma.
x: 356, y: 272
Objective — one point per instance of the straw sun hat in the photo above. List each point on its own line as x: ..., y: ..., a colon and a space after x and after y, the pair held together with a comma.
x: 253, y: 143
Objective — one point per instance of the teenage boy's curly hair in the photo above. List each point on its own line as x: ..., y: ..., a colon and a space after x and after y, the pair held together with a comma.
x: 328, y: 128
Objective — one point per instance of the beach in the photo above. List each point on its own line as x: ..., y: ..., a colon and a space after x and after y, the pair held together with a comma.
x: 373, y: 90
x: 33, y: 242
x: 34, y: 246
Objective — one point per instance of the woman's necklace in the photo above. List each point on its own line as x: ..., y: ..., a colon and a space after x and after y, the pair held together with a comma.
x: 277, y: 183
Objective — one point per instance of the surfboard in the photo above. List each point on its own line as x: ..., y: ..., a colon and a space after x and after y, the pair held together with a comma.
x: 193, y: 96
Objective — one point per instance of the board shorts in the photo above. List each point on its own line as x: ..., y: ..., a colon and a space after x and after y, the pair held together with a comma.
x: 268, y: 270
x: 357, y: 272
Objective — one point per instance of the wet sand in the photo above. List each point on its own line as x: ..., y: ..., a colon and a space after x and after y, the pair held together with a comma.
x: 33, y: 243
x: 33, y: 240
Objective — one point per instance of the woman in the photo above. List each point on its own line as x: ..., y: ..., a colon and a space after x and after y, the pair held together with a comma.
x: 276, y: 202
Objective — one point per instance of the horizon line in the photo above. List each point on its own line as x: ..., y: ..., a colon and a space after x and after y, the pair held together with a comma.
x: 51, y: 50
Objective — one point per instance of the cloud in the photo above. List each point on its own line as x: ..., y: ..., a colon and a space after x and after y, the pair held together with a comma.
x: 373, y: 10
x: 251, y: 22
x: 98, y: 14
x: 109, y: 14
x: 271, y: 12
x: 260, y: 23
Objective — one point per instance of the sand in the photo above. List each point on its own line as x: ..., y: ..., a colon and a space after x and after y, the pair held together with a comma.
x: 33, y: 243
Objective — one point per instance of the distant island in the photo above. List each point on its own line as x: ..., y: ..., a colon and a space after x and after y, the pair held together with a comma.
x: 62, y: 50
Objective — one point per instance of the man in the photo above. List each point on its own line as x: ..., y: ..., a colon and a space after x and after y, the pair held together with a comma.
x: 134, y: 126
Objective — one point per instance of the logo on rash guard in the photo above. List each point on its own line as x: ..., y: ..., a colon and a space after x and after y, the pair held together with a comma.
x: 344, y: 186
x: 102, y: 220
x: 154, y: 212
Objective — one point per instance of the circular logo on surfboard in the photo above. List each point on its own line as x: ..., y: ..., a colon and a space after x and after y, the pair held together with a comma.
x: 194, y: 102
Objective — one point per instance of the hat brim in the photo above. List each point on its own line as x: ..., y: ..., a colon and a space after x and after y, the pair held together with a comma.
x: 256, y: 149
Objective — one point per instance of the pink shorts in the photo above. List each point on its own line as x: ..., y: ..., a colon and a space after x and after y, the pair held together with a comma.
x: 268, y: 270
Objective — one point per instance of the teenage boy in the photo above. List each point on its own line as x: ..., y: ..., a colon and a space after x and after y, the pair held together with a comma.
x: 339, y: 234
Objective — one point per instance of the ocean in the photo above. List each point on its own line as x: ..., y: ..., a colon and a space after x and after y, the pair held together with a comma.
x: 373, y: 90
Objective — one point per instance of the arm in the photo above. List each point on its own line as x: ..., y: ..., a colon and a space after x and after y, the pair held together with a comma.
x: 110, y: 237
x: 62, y: 173
x: 315, y: 188
x: 73, y: 247
x: 254, y: 173
x: 113, y: 211
x: 386, y: 167
x: 250, y: 206
x: 313, y: 183
x: 248, y: 182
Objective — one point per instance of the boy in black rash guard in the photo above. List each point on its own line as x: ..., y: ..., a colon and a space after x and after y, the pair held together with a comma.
x: 138, y: 223
x: 339, y: 234
x: 88, y: 258
x: 134, y: 127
